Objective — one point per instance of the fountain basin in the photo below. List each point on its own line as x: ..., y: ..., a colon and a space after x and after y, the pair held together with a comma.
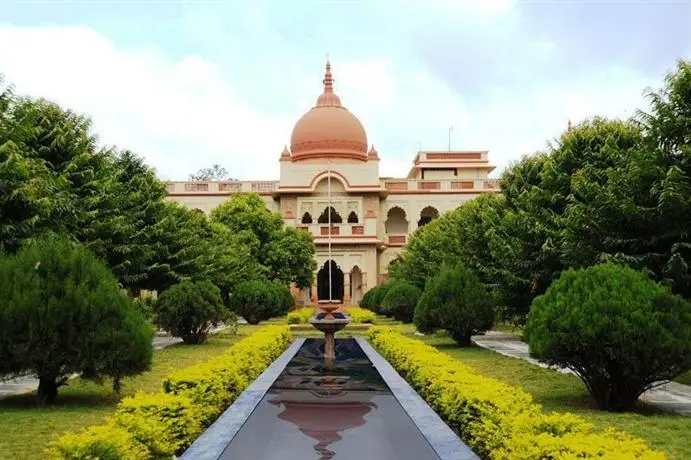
x: 329, y: 322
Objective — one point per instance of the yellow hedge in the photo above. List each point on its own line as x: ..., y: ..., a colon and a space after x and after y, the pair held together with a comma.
x: 161, y: 425
x: 358, y: 315
x: 499, y: 421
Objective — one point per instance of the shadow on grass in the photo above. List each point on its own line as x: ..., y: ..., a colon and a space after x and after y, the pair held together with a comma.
x: 66, y: 400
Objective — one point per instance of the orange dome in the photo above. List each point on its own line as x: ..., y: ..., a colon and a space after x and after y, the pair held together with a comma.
x: 328, y: 129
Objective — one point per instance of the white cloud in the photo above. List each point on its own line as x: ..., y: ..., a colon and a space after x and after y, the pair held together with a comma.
x: 183, y: 114
x: 179, y: 114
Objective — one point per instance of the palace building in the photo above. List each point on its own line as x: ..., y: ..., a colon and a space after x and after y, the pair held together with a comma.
x: 330, y: 186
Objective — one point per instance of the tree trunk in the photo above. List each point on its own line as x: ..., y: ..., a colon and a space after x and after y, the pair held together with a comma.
x: 461, y: 339
x: 47, y: 391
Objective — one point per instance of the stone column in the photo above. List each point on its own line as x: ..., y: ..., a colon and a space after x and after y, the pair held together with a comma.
x: 346, y: 288
x: 364, y: 282
x: 315, y: 298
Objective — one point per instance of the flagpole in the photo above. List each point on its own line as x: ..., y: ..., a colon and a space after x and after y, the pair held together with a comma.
x: 329, y: 220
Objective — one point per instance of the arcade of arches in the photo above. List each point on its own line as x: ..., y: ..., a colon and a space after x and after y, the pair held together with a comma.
x: 334, y: 285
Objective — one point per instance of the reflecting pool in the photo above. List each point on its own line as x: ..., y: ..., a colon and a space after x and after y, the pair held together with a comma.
x: 344, y: 411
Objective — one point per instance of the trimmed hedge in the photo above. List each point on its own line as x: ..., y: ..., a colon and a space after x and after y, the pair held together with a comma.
x: 357, y: 314
x: 301, y: 315
x: 499, y: 421
x: 164, y: 424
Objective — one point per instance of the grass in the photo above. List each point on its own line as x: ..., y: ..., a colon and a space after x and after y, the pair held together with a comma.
x: 684, y: 378
x: 26, y: 429
x: 566, y: 393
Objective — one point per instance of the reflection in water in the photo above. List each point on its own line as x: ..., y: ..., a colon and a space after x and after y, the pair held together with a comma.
x: 322, y: 416
x: 345, y: 407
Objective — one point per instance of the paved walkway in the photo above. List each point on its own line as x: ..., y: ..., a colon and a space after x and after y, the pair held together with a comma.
x: 21, y: 385
x: 671, y: 396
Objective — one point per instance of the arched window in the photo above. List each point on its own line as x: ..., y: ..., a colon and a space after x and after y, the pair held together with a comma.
x: 352, y: 218
x: 335, y: 216
x: 307, y: 218
x: 396, y: 222
x: 427, y: 215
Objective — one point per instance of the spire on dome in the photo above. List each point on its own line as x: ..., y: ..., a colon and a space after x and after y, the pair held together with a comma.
x: 328, y: 98
x: 328, y: 79
x: 568, y: 126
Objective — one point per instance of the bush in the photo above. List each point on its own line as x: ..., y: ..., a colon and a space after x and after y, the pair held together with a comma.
x: 496, y: 420
x: 190, y: 309
x: 301, y: 315
x: 257, y: 300
x: 455, y: 300
x: 400, y: 301
x: 163, y: 424
x: 284, y: 299
x: 618, y: 330
x: 361, y: 315
x: 105, y: 442
x: 62, y: 312
x: 373, y: 298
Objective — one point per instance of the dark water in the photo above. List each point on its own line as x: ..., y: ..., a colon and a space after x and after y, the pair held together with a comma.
x: 316, y: 412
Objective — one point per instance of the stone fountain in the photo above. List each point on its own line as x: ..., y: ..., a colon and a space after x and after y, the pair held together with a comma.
x: 329, y: 323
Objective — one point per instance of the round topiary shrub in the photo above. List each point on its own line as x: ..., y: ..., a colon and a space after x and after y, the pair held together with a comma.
x: 366, y: 301
x: 284, y: 300
x: 190, y: 309
x: 457, y: 301
x: 256, y: 300
x: 62, y: 312
x: 373, y: 298
x: 616, y: 329
x: 400, y: 301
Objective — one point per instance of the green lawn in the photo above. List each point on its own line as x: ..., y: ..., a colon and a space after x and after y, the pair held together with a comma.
x: 565, y: 393
x: 26, y: 428
x: 684, y: 378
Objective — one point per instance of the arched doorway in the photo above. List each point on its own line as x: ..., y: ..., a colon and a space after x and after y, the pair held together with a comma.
x: 336, y: 282
x: 355, y: 285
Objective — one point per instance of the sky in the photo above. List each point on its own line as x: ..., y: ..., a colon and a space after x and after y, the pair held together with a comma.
x: 186, y: 84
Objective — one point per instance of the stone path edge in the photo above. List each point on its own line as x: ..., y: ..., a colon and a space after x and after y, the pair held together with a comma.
x: 446, y: 444
x: 214, y: 440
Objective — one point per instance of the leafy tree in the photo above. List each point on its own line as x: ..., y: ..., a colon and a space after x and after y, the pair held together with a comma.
x: 215, y: 172
x: 400, y: 301
x: 257, y: 300
x: 190, y: 309
x: 290, y: 257
x: 61, y: 312
x: 457, y: 301
x: 620, y: 332
x: 640, y: 213
x: 285, y: 253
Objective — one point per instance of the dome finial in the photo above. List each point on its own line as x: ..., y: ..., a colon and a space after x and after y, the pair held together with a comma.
x: 328, y: 79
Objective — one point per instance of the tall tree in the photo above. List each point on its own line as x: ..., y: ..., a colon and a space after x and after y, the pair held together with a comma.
x: 286, y: 254
x: 215, y: 172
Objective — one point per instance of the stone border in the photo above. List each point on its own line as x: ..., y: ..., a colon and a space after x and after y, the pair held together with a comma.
x: 211, y: 444
x: 442, y: 439
x: 214, y: 440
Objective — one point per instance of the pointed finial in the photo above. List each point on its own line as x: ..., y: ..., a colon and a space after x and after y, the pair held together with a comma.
x: 328, y: 79
x: 568, y: 126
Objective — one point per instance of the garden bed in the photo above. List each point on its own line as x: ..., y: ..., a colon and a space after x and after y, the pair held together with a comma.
x: 163, y: 424
x: 498, y: 420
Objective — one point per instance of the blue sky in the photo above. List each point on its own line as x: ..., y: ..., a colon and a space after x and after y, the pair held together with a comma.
x: 188, y: 84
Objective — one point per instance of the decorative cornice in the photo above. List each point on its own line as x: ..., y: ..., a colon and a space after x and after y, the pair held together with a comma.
x: 323, y: 146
